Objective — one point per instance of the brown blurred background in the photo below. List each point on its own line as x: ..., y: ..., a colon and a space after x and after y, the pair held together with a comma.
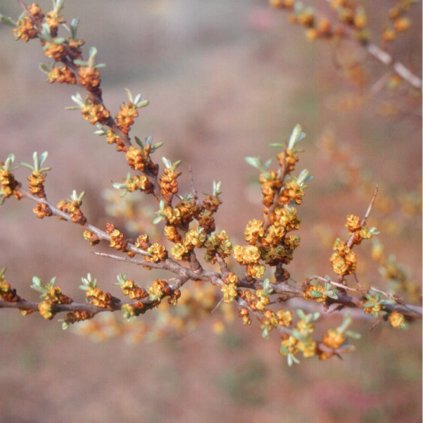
x: 225, y: 79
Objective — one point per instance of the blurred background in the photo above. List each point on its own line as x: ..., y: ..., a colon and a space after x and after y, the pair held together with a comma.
x: 225, y: 79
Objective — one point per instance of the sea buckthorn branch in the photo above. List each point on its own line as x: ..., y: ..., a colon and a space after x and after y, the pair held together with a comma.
x: 98, y: 301
x: 394, y: 213
x: 190, y: 227
x: 70, y: 68
x: 351, y: 23
x: 283, y: 292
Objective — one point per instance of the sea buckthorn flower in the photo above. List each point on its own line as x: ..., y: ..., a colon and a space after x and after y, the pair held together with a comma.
x: 89, y: 77
x: 218, y: 244
x: 229, y: 288
x: 8, y: 184
x: 158, y: 289
x: 142, y: 241
x: 136, y: 158
x: 113, y: 138
x: 61, y: 75
x: 168, y: 180
x: 117, y: 239
x: 72, y: 207
x: 172, y: 234
x: 195, y: 238
x: 397, y: 320
x: 249, y: 254
x: 135, y: 183
x: 25, y: 29
x: 42, y: 210
x: 373, y: 304
x: 130, y: 289
x: 245, y: 315
x: 50, y: 295
x: 254, y: 230
x: 53, y: 19
x: 180, y: 252
x: 157, y: 253
x: 126, y: 117
x: 344, y: 260
x: 7, y: 293
x: 91, y: 237
x: 353, y: 223
x: 284, y: 318
x: 94, y: 113
x: 94, y: 294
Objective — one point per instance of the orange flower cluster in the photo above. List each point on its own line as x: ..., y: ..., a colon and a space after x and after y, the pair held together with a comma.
x: 73, y: 208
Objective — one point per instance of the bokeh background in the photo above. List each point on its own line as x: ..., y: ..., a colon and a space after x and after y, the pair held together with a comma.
x: 225, y: 79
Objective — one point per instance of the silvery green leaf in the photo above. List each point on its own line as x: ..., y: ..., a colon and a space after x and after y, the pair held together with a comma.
x: 58, y: 40
x: 121, y: 278
x: 92, y: 54
x: 314, y: 316
x: 374, y: 231
x: 77, y: 98
x: 74, y: 27
x: 65, y: 325
x: 37, y: 284
x: 100, y: 130
x: 129, y: 95
x: 352, y: 334
x: 291, y: 359
x: 267, y: 164
x: 265, y: 332
x: 304, y: 177
x: 254, y: 162
x: 345, y: 323
x: 296, y: 334
x: 139, y: 142
x: 156, y: 146
x: 217, y: 188
x: 7, y: 20
x: 43, y: 157
x: 77, y: 197
x: 58, y: 5
x: 166, y: 162
x: 118, y: 185
x: 100, y: 65
x: 80, y: 62
x: 45, y: 33
x: 9, y: 161
x: 88, y: 282
x: 142, y: 103
x: 27, y: 165
x: 297, y: 135
x: 137, y: 99
x: 267, y: 287
x: 44, y: 68
x: 157, y: 219
x: 92, y: 51
x: 301, y: 314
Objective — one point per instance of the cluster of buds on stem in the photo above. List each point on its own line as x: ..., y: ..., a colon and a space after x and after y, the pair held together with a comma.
x: 72, y: 207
